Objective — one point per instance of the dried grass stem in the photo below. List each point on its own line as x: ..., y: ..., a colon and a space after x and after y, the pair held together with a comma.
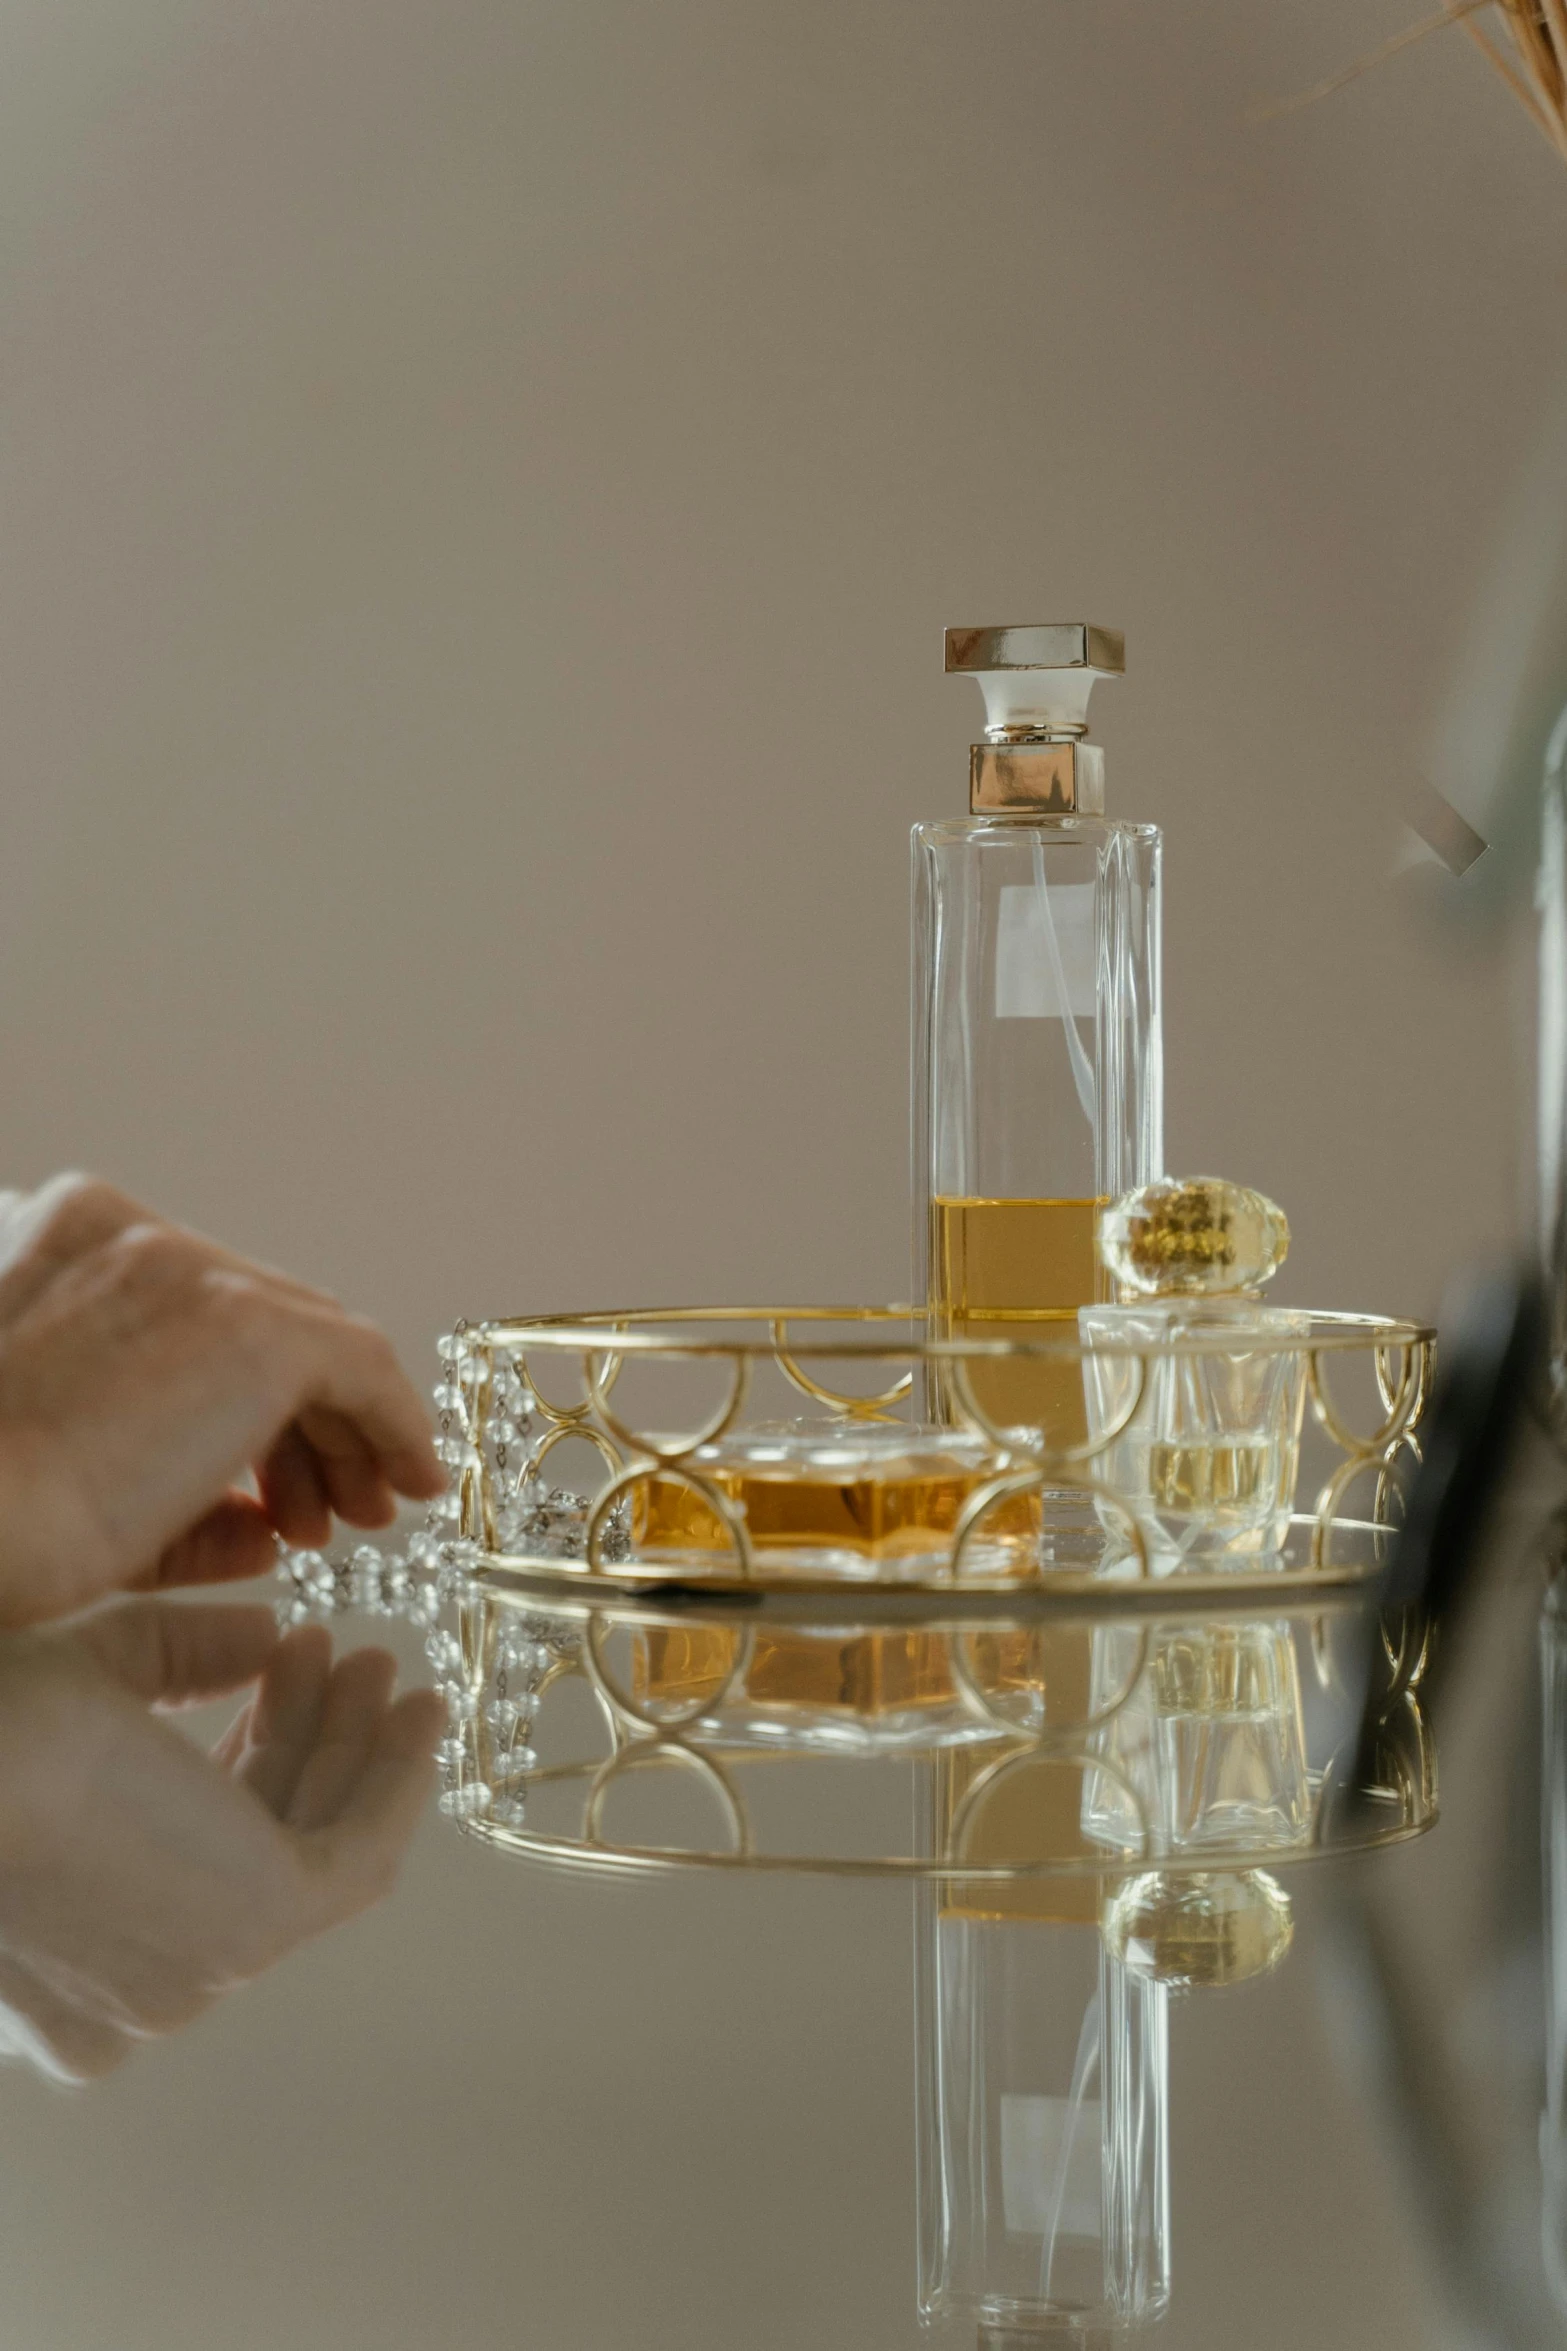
x: 1532, y: 61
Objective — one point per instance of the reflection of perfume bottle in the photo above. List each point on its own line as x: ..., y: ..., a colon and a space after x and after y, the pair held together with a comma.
x: 1199, y: 1929
x: 1042, y: 2092
x: 1042, y: 2068
x: 1037, y: 1058
x: 1194, y: 1388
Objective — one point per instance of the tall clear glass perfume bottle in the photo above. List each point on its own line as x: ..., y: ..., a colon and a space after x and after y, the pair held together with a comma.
x: 1037, y: 1057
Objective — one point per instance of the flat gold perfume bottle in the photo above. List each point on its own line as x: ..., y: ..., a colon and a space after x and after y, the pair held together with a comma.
x: 1037, y: 1057
x: 848, y: 1496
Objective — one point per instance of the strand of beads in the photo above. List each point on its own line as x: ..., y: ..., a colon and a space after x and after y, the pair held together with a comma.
x: 455, y: 1396
x: 411, y: 1583
x: 435, y: 1564
x: 485, y: 1428
x: 553, y: 1524
x: 508, y: 1437
x: 465, y: 1793
x: 523, y: 1658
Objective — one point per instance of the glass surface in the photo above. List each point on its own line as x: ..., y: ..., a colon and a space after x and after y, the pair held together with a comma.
x: 569, y: 2100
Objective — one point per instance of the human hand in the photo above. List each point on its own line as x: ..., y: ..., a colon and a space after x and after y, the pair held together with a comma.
x: 140, y: 1878
x: 143, y: 1370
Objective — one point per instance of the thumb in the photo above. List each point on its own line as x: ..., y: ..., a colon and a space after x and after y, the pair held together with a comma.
x: 174, y: 1656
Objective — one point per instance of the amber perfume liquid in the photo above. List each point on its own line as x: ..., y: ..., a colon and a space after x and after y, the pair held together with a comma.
x: 1017, y: 1269
x: 864, y: 1674
x: 908, y: 1519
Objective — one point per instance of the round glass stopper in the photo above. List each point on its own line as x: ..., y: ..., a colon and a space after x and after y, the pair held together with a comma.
x: 1192, y: 1237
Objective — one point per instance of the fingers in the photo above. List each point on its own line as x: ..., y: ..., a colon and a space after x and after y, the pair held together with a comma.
x: 232, y: 1542
x: 349, y: 1374
x: 356, y: 1856
x: 348, y: 1469
x: 143, y: 1371
x: 294, y: 1491
x: 286, y: 1716
x: 356, y: 1703
x: 174, y: 1656
x: 63, y: 2039
x: 228, y: 1750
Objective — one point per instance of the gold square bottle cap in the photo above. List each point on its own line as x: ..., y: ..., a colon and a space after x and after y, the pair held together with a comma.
x: 1036, y: 677
x: 1037, y: 644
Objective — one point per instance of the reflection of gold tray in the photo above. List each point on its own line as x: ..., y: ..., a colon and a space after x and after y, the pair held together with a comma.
x: 561, y: 1382
x: 1038, y: 1727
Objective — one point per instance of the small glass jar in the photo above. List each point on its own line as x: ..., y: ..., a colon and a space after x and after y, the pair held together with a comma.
x: 1206, y: 1455
x: 1194, y: 1390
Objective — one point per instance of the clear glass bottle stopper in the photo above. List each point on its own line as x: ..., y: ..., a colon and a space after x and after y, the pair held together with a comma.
x: 1193, y: 1237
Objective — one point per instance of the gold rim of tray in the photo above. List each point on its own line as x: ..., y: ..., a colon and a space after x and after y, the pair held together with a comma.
x: 647, y: 1330
x: 862, y: 1602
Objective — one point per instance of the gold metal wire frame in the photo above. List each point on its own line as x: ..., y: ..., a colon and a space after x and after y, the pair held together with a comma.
x: 649, y: 1330
x: 593, y: 1851
x: 1019, y: 1463
x: 861, y: 1363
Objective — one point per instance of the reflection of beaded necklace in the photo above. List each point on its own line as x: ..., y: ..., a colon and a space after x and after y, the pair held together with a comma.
x: 488, y: 1426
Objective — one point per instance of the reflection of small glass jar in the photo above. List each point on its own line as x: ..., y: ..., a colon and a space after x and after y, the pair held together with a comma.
x: 1194, y: 1391
x: 1207, y: 1755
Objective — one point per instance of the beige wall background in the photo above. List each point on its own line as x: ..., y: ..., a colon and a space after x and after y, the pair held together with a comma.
x: 481, y: 488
